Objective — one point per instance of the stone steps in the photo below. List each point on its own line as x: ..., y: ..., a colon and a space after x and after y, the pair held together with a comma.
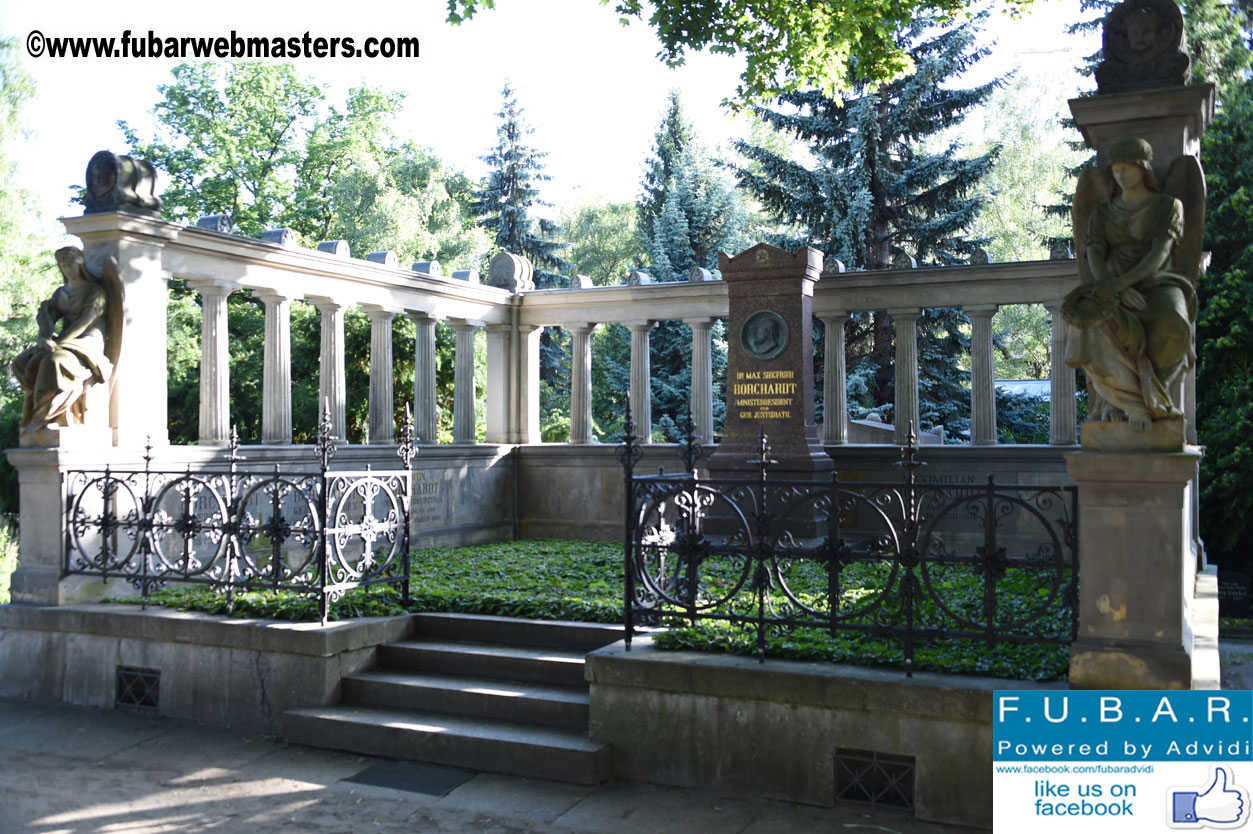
x: 456, y: 741
x: 483, y: 693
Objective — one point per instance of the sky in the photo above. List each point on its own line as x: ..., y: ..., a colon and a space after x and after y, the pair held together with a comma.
x: 592, y: 89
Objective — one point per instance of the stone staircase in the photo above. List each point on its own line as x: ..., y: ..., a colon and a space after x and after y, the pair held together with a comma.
x: 478, y: 692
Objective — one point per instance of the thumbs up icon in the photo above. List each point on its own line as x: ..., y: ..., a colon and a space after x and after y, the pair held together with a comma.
x: 1222, y: 804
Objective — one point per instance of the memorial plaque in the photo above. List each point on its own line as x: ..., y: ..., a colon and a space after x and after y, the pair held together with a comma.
x: 1233, y: 593
x: 770, y: 368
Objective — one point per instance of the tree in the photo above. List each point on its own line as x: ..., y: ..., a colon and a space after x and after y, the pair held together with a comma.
x: 689, y: 211
x: 604, y: 240
x: 1224, y: 335
x: 253, y: 141
x: 875, y: 191
x: 788, y: 46
x: 506, y: 202
x: 506, y: 206
x: 230, y: 135
x: 27, y: 273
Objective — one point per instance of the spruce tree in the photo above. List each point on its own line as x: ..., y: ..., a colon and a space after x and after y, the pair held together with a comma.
x: 506, y: 201
x: 689, y: 211
x: 505, y: 205
x: 877, y: 191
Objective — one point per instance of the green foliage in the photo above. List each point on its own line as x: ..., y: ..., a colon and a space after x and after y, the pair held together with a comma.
x: 967, y: 657
x: 230, y: 135
x: 28, y: 275
x: 1032, y: 167
x: 604, y: 240
x: 787, y: 46
x: 1023, y: 336
x: 1224, y: 335
x: 537, y: 578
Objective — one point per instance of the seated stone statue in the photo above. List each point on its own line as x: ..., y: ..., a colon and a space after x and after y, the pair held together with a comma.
x: 58, y: 369
x: 1130, y: 320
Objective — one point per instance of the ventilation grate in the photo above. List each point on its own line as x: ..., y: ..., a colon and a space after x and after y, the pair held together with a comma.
x: 138, y: 688
x: 872, y: 778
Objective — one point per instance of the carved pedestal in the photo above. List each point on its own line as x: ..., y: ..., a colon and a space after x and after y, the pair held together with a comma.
x: 1137, y: 570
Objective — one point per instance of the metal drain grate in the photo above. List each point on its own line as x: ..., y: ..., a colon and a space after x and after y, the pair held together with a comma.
x: 138, y: 688
x: 879, y: 779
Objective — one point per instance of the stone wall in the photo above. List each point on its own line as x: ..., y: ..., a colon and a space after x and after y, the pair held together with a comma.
x: 731, y: 724
x: 230, y: 672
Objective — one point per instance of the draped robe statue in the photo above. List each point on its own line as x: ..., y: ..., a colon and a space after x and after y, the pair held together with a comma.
x: 58, y: 369
x: 1139, y: 253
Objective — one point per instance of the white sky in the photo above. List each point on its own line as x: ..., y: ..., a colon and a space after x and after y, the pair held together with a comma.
x: 592, y: 89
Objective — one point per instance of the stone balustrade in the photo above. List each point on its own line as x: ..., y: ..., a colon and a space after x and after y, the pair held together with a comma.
x: 216, y: 264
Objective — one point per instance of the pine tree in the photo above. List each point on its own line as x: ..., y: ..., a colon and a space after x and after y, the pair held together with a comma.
x: 505, y: 203
x: 506, y: 206
x: 689, y: 211
x: 877, y: 191
x: 672, y: 137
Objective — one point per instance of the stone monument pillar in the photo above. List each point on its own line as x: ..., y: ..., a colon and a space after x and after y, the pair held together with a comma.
x: 1139, y: 223
x: 770, y: 368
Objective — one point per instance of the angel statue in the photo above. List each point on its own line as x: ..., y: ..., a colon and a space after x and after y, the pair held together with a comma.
x: 59, y: 368
x: 1138, y: 247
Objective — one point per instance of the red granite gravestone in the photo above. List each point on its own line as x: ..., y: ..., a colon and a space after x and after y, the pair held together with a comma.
x: 770, y: 366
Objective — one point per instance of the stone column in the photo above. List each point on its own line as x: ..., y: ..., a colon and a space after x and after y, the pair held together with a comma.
x: 463, y: 383
x: 382, y: 405
x: 500, y: 387
x: 905, y: 374
x: 276, y: 384
x: 834, y: 383
x: 424, y: 409
x: 1137, y: 570
x: 641, y: 379
x: 332, y: 385
x: 581, y: 382
x: 982, y: 377
x: 701, y: 399
x: 215, y: 369
x: 1061, y: 384
x: 526, y: 365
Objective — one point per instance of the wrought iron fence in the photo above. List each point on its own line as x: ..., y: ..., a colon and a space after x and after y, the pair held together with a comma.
x: 908, y: 560
x: 318, y: 534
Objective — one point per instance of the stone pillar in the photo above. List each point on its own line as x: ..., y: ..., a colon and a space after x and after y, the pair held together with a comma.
x: 982, y: 377
x: 215, y: 369
x: 463, y: 383
x: 1061, y: 384
x: 382, y: 405
x: 276, y: 382
x: 581, y: 382
x: 500, y: 387
x: 905, y: 374
x: 641, y: 379
x: 525, y: 411
x: 424, y: 409
x: 701, y: 399
x: 834, y: 383
x: 1137, y: 570
x: 137, y: 408
x: 332, y: 384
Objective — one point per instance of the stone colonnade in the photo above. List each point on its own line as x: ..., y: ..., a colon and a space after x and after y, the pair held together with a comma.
x: 276, y: 419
